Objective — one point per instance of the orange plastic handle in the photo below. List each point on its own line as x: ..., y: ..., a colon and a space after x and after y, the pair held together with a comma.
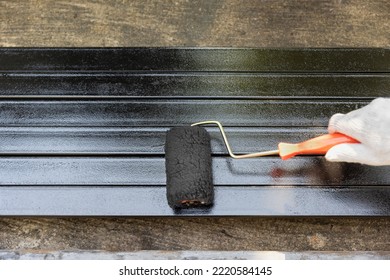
x: 315, y: 146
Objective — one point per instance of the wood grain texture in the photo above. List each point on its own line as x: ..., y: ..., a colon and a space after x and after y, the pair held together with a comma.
x: 302, y: 23
x: 132, y: 234
x: 235, y: 23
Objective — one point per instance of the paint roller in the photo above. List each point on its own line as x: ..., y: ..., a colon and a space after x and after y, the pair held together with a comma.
x: 189, y: 167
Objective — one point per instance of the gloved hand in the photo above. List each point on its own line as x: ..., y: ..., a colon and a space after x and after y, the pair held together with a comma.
x: 369, y: 125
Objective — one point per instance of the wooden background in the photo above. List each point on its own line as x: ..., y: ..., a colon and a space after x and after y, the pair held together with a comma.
x: 235, y: 23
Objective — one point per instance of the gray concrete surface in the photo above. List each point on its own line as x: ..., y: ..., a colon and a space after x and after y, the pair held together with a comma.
x: 192, y: 255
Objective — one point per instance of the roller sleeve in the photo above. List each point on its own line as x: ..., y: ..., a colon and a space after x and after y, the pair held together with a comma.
x: 188, y: 167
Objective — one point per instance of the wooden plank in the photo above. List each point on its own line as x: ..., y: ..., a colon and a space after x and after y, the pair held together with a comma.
x: 236, y: 23
x: 150, y: 171
x: 195, y: 59
x: 193, y: 84
x: 39, y: 234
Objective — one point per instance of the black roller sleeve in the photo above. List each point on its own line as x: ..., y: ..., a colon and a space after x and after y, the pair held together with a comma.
x: 188, y: 167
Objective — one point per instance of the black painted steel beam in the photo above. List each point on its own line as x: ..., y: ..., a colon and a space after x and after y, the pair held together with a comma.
x: 82, y: 131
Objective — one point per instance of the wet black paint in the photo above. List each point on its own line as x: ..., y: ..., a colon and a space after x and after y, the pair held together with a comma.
x: 82, y: 131
x: 188, y: 167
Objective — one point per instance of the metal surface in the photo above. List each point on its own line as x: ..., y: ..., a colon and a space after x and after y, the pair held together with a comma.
x: 149, y: 170
x: 82, y: 130
x: 277, y: 200
x: 130, y: 84
x: 170, y: 112
x: 231, y: 154
x: 195, y: 59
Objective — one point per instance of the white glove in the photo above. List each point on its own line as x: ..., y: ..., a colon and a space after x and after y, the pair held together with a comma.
x: 369, y: 125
